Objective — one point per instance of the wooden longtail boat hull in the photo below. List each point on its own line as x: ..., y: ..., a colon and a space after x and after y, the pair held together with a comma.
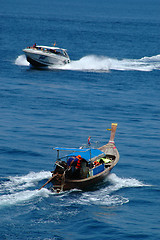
x: 61, y: 182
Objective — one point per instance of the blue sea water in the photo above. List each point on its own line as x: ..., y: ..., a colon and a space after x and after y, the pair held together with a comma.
x: 113, y: 77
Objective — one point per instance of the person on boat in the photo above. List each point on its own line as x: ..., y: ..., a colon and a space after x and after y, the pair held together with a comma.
x: 82, y: 168
x: 71, y: 161
x: 74, y: 166
x: 34, y: 45
x: 79, y: 160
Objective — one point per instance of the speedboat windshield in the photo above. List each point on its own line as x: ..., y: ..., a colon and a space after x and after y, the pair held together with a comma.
x: 55, y: 50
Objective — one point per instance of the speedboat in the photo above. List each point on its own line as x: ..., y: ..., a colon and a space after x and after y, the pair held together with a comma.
x: 41, y: 56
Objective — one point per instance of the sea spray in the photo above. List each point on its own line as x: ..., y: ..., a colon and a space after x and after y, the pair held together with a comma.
x: 90, y: 63
x: 117, y: 183
x: 22, y: 189
x: 17, y: 183
x: 94, y: 63
x: 104, y: 64
x: 22, y: 61
x: 107, y: 195
x: 18, y: 189
x: 22, y: 197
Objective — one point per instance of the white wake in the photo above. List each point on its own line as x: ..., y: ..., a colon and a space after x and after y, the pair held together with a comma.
x: 94, y: 63
x: 108, y: 194
x: 22, y: 61
x: 22, y: 189
x: 17, y: 189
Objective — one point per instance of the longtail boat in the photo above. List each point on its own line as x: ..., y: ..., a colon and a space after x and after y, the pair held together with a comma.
x: 83, y: 168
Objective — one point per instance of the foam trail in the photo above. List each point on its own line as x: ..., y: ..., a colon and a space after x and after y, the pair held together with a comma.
x: 23, y: 196
x: 94, y: 63
x: 22, y: 189
x: 119, y: 183
x: 107, y: 195
x: 104, y: 64
x: 18, y: 189
x: 22, y: 61
x: 90, y: 63
x: 151, y: 59
x: 23, y: 182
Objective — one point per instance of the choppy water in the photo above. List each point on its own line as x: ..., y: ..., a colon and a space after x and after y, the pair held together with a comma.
x: 113, y: 77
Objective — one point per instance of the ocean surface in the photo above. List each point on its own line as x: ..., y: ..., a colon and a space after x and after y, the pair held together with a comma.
x: 114, y: 76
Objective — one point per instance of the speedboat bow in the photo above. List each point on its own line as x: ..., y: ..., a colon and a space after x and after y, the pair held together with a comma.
x: 41, y: 56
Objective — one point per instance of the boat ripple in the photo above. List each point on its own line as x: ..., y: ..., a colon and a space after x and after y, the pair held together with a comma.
x: 22, y: 189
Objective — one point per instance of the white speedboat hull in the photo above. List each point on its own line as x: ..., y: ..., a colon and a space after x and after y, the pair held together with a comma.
x: 40, y: 58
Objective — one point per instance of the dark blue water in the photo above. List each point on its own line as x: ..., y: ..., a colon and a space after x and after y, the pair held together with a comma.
x: 113, y: 77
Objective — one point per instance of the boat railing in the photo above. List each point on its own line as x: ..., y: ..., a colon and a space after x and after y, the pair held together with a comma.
x: 93, y: 145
